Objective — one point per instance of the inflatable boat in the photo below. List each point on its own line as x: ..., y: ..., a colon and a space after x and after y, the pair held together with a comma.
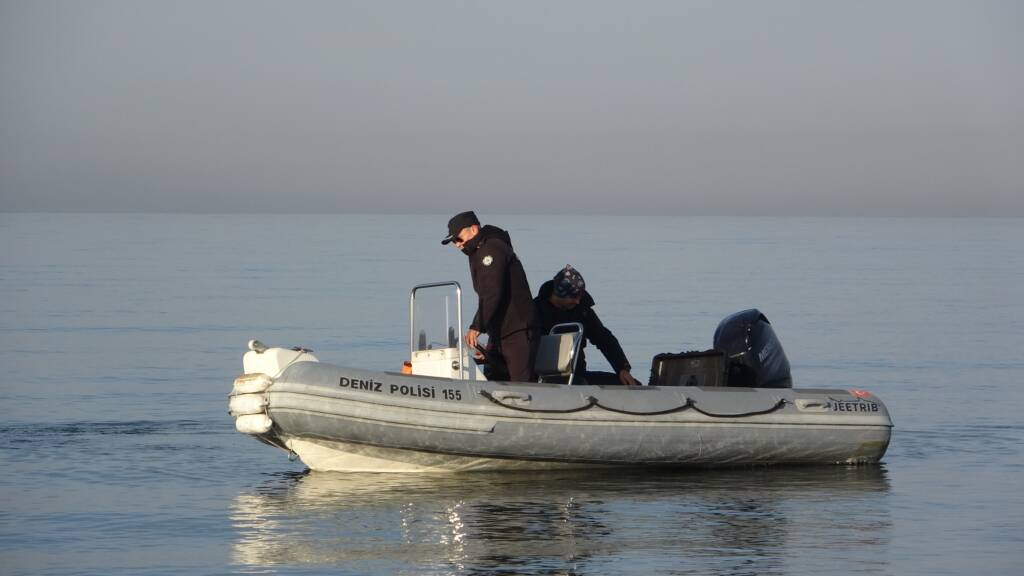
x: 733, y: 405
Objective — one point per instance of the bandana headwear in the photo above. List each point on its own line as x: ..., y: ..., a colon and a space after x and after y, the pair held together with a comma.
x: 568, y: 283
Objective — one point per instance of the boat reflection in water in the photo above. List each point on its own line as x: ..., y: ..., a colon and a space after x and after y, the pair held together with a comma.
x: 760, y: 521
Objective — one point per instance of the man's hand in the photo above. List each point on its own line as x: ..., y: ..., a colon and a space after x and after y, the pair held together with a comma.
x: 471, y: 337
x: 627, y: 379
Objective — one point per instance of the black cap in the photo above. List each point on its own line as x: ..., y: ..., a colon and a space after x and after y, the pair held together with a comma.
x: 457, y: 223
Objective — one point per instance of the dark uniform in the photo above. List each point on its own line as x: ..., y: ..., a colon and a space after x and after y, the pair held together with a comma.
x: 505, y: 311
x: 593, y: 330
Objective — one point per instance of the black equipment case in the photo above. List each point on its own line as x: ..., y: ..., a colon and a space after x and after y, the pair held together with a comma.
x: 688, y: 369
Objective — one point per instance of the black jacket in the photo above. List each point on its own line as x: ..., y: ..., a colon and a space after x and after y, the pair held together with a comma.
x: 593, y: 329
x: 500, y: 283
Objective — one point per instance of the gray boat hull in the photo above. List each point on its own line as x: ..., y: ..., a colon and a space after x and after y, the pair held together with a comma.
x: 344, y: 419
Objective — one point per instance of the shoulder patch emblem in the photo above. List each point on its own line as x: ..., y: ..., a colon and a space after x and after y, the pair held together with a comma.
x: 487, y: 260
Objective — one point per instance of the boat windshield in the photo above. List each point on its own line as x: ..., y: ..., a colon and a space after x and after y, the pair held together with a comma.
x: 435, y: 318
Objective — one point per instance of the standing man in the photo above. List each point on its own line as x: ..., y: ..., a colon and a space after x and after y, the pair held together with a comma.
x: 505, y: 311
x: 564, y: 298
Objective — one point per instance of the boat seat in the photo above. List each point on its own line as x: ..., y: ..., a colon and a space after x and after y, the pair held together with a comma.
x: 557, y: 352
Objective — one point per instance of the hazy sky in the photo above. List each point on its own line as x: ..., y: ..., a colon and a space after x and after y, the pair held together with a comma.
x: 722, y: 107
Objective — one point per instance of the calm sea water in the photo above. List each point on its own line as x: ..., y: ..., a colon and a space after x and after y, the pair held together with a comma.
x: 120, y: 336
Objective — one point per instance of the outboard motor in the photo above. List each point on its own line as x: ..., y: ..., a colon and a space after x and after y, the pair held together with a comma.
x: 753, y: 354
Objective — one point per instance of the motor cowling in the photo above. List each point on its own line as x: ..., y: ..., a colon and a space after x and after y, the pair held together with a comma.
x: 753, y: 354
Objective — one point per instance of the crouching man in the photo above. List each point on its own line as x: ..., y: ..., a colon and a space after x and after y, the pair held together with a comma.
x: 564, y: 298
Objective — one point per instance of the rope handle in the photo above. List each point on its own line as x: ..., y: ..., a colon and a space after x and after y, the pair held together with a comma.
x: 592, y: 402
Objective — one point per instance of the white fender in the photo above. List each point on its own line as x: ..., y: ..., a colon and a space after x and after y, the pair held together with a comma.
x: 253, y: 424
x: 252, y: 383
x: 247, y: 404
